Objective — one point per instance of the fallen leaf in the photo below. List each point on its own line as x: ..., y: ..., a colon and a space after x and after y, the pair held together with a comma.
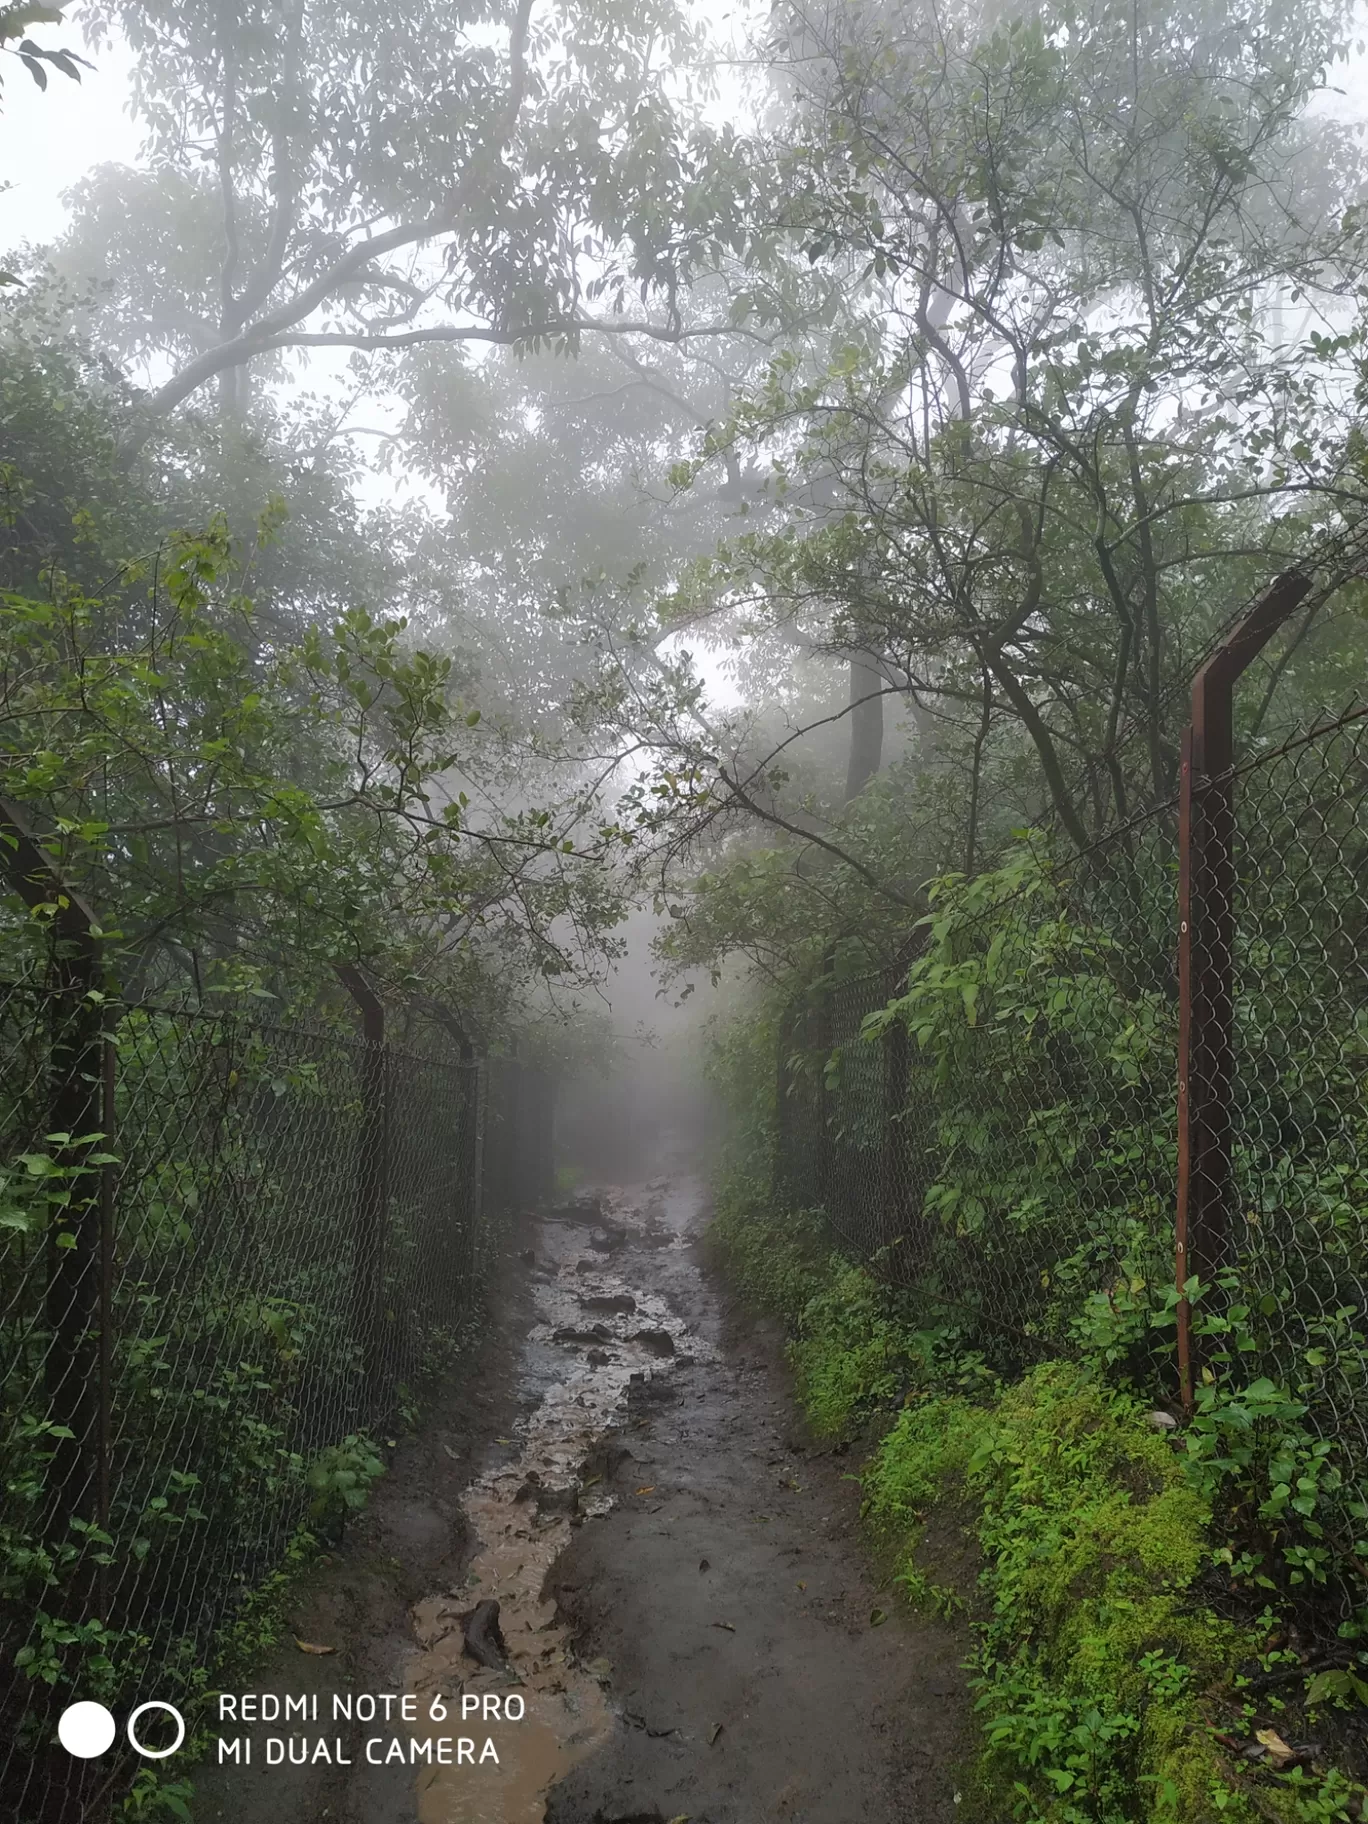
x: 1278, y: 1751
x: 503, y: 1440
x: 648, y: 1490
x: 802, y: 1586
x: 309, y: 1646
x: 730, y: 1626
x: 877, y: 1617
x: 683, y: 1818
x: 703, y: 1565
x: 455, y: 1455
x: 713, y: 1733
x: 590, y: 1483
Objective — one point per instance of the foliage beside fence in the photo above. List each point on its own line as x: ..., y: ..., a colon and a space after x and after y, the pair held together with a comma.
x: 218, y: 1304
x: 992, y: 1124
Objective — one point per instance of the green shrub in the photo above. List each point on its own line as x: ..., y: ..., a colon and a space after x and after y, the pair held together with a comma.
x: 1098, y: 1664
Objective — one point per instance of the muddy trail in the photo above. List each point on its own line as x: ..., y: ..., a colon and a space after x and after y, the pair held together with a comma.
x: 687, y: 1625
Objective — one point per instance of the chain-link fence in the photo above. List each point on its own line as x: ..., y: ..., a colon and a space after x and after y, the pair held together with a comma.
x: 1006, y: 1141
x: 232, y: 1254
x: 1090, y: 1061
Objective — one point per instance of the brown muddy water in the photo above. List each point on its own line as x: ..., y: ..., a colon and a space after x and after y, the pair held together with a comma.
x: 598, y: 1340
x: 685, y: 1604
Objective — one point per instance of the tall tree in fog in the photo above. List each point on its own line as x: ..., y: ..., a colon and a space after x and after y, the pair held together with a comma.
x: 1067, y: 438
x: 381, y: 178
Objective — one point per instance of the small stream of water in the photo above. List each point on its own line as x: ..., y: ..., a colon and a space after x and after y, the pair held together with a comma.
x: 598, y: 1334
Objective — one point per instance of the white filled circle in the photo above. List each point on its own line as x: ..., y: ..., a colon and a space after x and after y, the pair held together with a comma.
x: 157, y: 1754
x: 85, y: 1730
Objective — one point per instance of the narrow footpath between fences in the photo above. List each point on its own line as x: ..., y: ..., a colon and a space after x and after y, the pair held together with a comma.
x: 685, y: 1605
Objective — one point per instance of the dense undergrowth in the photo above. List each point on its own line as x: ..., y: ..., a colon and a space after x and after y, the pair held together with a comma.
x: 338, y: 1482
x: 1120, y: 1672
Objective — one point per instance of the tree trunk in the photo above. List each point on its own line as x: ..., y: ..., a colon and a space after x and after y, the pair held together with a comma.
x: 866, y: 724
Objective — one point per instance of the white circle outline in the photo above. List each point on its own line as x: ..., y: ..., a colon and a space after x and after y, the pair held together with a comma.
x: 155, y: 1754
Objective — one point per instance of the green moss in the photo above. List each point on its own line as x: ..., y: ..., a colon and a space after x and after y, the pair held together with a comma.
x: 1090, y: 1666
x: 850, y: 1354
x: 1097, y: 1665
x: 1090, y: 1669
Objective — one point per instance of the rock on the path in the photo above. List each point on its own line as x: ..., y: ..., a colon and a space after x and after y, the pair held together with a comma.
x: 483, y: 1639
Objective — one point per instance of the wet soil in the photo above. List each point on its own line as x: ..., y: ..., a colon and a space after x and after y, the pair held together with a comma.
x: 688, y: 1615
x: 758, y: 1669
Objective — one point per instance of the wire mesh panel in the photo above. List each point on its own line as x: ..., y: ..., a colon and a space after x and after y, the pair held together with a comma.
x: 431, y: 1246
x: 1003, y: 1141
x: 1289, y: 1252
x: 1158, y: 1047
x: 799, y: 1107
x: 855, y: 1094
x: 285, y: 1248
x: 517, y: 1133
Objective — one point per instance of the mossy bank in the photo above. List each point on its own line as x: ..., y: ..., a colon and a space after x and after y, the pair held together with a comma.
x: 1115, y: 1681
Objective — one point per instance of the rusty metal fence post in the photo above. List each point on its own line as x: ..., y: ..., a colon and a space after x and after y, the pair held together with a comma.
x: 372, y: 1182
x: 1206, y: 936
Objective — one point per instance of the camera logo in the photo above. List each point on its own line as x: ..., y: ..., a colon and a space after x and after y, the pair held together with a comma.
x: 86, y: 1730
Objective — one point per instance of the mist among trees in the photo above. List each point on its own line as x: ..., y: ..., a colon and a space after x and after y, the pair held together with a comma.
x: 491, y: 471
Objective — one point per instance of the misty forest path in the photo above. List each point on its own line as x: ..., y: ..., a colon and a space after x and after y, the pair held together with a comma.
x: 736, y: 1593
x: 684, y: 1594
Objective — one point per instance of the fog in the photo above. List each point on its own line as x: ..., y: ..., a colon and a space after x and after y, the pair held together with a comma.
x: 583, y: 584
x: 637, y: 486
x: 646, y: 1109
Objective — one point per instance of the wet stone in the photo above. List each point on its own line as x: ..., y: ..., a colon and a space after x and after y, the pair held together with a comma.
x: 606, y: 1459
x: 658, y: 1342
x: 647, y: 1391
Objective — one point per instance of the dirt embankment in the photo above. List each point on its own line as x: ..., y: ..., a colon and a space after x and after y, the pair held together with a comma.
x: 685, y: 1609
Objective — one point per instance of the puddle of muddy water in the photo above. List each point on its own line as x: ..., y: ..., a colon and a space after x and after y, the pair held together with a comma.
x: 611, y: 1333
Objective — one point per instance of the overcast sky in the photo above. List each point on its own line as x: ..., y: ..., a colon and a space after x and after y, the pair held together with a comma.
x: 49, y: 140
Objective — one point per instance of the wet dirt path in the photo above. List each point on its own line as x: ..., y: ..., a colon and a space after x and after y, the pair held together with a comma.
x: 730, y: 1596
x: 684, y: 1601
x: 604, y: 1339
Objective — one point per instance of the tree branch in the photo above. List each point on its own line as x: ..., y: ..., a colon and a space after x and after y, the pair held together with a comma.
x: 757, y: 810
x: 272, y: 330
